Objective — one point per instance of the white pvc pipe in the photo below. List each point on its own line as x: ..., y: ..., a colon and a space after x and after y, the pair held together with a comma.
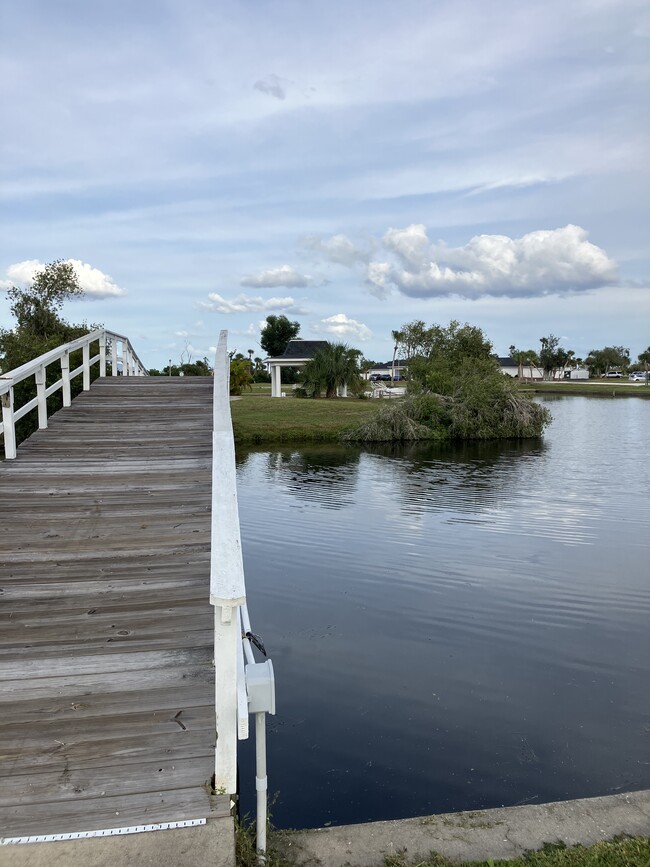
x: 261, y: 784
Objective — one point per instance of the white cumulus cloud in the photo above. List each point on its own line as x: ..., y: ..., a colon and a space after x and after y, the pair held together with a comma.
x: 94, y: 282
x: 247, y: 304
x: 342, y: 327
x: 544, y: 262
x: 283, y: 276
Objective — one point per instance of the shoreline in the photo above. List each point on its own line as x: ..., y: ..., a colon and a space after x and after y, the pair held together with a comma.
x: 475, y: 835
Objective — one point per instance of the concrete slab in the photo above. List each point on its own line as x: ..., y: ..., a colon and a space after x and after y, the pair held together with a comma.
x: 210, y: 844
x: 479, y: 834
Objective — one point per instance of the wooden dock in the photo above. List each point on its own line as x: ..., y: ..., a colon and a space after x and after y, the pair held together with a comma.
x: 106, y: 672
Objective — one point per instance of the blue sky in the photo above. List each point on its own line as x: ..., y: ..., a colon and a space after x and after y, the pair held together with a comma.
x: 352, y: 165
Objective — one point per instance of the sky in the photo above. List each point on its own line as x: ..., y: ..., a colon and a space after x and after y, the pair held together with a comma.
x: 352, y: 165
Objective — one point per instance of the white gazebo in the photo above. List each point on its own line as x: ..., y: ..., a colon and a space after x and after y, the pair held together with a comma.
x: 297, y: 354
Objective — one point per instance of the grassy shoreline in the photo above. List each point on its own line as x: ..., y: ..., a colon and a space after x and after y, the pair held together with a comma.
x: 600, y: 388
x: 260, y: 419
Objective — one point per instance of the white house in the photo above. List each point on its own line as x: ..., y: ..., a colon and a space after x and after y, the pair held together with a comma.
x: 530, y: 372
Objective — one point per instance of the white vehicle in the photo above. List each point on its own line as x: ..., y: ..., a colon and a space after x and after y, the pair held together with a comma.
x: 638, y: 376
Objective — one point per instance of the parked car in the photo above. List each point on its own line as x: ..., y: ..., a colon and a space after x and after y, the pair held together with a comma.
x: 613, y: 374
x: 638, y: 376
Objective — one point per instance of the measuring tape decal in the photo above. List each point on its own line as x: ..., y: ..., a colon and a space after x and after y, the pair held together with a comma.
x: 105, y: 832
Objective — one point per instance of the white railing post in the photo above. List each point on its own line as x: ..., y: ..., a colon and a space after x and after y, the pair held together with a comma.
x: 65, y: 378
x: 8, y: 424
x: 125, y: 358
x: 227, y: 638
x: 41, y: 397
x: 85, y: 352
x: 102, y: 354
x: 113, y: 356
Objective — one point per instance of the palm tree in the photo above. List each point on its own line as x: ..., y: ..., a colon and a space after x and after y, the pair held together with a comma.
x: 331, y: 367
x: 397, y: 337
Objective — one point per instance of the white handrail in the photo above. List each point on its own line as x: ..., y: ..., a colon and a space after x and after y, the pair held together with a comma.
x: 233, y: 655
x: 227, y: 589
x: 131, y: 366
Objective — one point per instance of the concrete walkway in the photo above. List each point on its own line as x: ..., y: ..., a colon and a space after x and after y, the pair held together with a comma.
x: 210, y: 845
x: 476, y: 835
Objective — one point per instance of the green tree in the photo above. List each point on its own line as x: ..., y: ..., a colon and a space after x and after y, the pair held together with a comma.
x: 39, y: 328
x: 240, y: 375
x: 456, y: 391
x: 644, y: 357
x: 599, y: 361
x: 276, y: 334
x: 397, y: 337
x: 333, y: 366
x: 523, y: 358
x: 552, y: 356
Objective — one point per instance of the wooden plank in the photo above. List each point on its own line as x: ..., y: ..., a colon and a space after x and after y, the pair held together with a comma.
x: 66, y: 817
x: 68, y: 783
x: 106, y: 670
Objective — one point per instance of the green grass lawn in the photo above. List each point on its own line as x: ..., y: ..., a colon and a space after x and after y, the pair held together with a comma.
x: 257, y: 418
x: 591, y: 387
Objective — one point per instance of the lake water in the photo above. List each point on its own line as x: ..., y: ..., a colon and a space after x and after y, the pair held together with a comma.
x: 454, y: 628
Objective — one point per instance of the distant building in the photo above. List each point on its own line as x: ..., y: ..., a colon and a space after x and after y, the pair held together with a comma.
x: 531, y: 372
x: 297, y: 354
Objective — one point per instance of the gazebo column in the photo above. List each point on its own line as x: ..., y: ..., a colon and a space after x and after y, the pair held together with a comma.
x: 276, y: 382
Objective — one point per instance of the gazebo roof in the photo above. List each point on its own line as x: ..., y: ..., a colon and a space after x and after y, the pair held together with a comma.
x: 300, y: 349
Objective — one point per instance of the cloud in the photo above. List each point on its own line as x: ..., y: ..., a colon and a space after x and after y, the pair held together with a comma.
x: 544, y: 262
x: 273, y: 85
x: 246, y: 304
x: 338, y: 249
x: 343, y: 327
x: 94, y: 282
x: 283, y: 276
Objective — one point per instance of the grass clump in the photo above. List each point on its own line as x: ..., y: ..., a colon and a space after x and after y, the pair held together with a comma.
x: 629, y: 852
x: 475, y: 411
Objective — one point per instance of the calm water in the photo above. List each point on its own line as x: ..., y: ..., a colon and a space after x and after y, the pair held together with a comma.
x: 454, y: 628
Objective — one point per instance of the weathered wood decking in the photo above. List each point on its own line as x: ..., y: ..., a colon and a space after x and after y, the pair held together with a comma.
x: 106, y: 675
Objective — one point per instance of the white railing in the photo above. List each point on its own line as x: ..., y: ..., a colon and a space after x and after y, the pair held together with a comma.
x: 242, y: 686
x: 108, y: 343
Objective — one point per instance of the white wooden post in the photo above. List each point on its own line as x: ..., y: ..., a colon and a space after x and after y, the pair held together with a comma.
x: 126, y: 360
x: 85, y: 351
x: 8, y: 426
x: 41, y: 398
x: 113, y: 356
x: 227, y: 637
x: 65, y: 378
x: 102, y: 355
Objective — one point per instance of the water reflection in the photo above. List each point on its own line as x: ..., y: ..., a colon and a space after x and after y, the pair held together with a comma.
x: 454, y: 628
x: 325, y: 475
